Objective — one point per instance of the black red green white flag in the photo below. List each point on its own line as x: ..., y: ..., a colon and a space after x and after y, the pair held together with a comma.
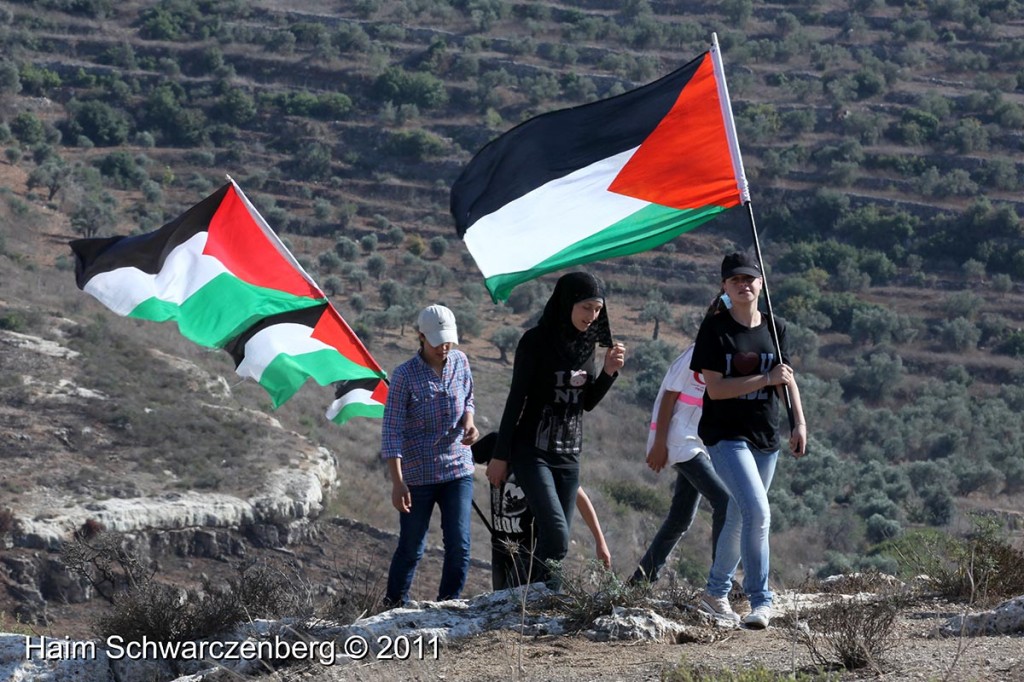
x: 225, y: 278
x: 605, y: 179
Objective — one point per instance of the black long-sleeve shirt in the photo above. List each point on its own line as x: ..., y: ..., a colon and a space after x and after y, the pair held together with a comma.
x: 546, y: 401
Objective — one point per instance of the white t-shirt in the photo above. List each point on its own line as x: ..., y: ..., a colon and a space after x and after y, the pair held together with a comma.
x: 683, y: 442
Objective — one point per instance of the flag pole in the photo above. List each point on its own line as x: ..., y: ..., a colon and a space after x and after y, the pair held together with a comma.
x: 771, y: 315
x: 744, y: 190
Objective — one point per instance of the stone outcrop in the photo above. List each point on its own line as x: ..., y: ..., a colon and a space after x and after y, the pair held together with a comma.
x: 1005, y: 619
x: 289, y: 496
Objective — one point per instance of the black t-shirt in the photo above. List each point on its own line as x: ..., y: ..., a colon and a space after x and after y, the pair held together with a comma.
x: 544, y: 410
x: 725, y: 346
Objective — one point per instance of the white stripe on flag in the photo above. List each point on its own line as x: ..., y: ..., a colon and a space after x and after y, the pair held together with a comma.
x: 552, y: 217
x: 284, y: 338
x: 185, y: 271
x: 356, y: 395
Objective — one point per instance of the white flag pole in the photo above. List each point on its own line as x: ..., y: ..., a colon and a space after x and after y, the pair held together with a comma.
x: 744, y: 190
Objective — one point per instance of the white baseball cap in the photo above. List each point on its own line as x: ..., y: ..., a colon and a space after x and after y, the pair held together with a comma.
x: 437, y: 323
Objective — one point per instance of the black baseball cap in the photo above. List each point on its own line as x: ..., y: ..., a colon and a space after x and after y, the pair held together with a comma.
x: 739, y: 264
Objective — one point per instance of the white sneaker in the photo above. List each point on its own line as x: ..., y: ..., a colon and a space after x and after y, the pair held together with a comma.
x: 759, y: 618
x: 717, y: 607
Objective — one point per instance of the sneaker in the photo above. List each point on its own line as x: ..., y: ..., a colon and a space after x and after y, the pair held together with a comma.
x: 717, y: 607
x: 759, y: 618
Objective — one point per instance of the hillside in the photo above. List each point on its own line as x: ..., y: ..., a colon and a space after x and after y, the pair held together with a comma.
x: 882, y: 143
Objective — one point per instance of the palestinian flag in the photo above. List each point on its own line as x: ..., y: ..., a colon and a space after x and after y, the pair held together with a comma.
x: 358, y: 398
x: 225, y: 278
x: 610, y: 178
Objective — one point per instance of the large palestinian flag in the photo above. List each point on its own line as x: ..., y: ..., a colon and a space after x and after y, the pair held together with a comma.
x: 225, y: 278
x: 605, y: 179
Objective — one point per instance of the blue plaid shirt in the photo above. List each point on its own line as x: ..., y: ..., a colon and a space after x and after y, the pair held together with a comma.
x: 422, y: 420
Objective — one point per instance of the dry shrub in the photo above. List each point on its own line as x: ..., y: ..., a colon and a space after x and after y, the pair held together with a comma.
x: 111, y: 562
x: 144, y: 607
x: 981, y: 568
x: 593, y: 592
x: 361, y: 593
x: 871, y: 581
x: 166, y: 613
x: 855, y: 632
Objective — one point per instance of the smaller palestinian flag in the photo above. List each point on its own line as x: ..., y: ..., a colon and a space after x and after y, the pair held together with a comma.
x: 225, y: 278
x: 358, y: 398
x: 606, y: 179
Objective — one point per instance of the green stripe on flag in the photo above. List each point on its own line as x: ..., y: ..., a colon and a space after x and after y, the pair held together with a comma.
x: 222, y: 309
x: 374, y: 411
x: 649, y: 227
x: 286, y: 373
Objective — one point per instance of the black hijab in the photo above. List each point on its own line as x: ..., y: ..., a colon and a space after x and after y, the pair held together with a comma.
x: 556, y: 320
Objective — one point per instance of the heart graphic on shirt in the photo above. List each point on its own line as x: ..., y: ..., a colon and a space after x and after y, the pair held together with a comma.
x: 746, y: 364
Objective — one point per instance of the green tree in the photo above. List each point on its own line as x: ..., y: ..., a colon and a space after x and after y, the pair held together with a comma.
x: 415, y: 144
x: 376, y: 266
x: 438, y: 246
x: 357, y: 276
x: 368, y: 243
x: 960, y: 334
x: 655, y: 310
x: 395, y: 236
x: 28, y: 129
x: 875, y: 376
x: 312, y: 161
x: 505, y: 339
x: 329, y: 261
x: 738, y: 11
x: 52, y: 175
x: 402, y: 87
x: 651, y: 359
x: 122, y: 170
x: 10, y: 80
x: 392, y: 293
x: 332, y: 284
x: 100, y: 122
x: 94, y: 215
x: 236, y: 107
x: 346, y: 248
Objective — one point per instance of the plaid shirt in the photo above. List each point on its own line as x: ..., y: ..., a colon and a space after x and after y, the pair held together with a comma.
x: 422, y: 420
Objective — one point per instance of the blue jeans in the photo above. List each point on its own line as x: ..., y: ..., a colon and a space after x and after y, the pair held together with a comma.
x: 455, y: 499
x: 694, y: 478
x: 551, y: 493
x: 747, y: 473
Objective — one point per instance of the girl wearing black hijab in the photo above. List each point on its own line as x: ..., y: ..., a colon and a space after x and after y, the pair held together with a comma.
x: 555, y: 377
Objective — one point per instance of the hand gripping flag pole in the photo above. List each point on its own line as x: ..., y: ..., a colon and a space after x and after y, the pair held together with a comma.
x: 737, y: 161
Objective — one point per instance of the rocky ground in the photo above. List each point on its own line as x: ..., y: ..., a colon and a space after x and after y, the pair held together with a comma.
x: 916, y: 650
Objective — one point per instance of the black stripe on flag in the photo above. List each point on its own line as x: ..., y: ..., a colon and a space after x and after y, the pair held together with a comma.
x: 343, y: 387
x: 555, y: 144
x: 145, y: 252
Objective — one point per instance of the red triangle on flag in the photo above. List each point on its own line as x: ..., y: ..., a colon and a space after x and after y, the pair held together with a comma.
x: 333, y: 331
x: 240, y: 245
x: 685, y: 163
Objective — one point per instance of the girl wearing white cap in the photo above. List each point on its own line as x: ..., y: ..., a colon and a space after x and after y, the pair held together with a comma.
x: 426, y: 433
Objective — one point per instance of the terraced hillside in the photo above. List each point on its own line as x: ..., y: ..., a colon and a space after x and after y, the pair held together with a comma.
x: 882, y: 140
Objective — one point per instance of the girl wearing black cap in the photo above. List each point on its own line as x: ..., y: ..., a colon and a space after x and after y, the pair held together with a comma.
x: 555, y: 377
x: 736, y: 355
